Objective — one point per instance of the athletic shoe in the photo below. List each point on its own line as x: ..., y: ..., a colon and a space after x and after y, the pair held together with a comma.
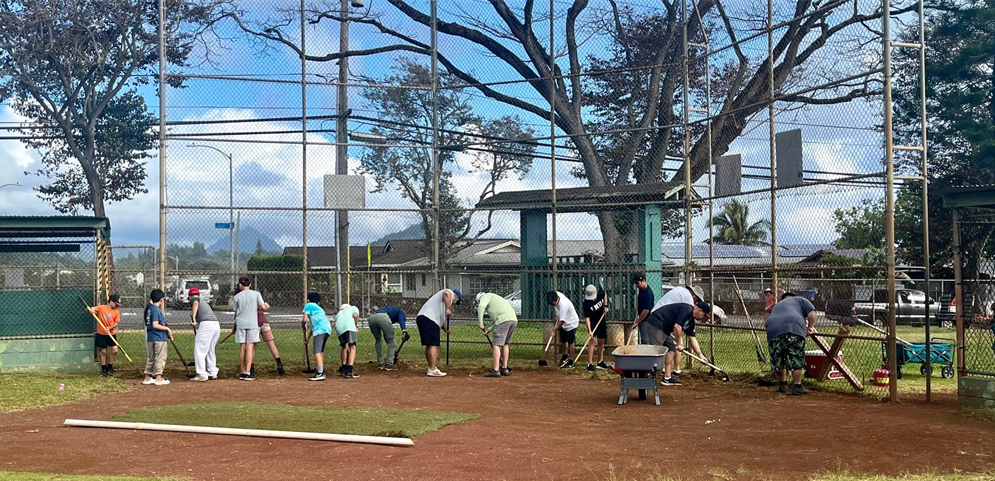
x: 493, y: 373
x: 505, y: 371
x: 249, y: 377
x: 111, y: 371
x: 435, y: 373
x: 799, y: 390
x: 149, y: 382
x: 676, y: 374
x: 569, y: 364
x: 563, y: 363
x: 199, y: 379
x: 162, y: 383
x: 389, y: 367
x: 104, y: 372
x: 353, y: 375
x: 280, y: 370
x: 669, y: 381
x: 212, y: 378
x: 564, y: 359
x: 341, y: 368
x: 381, y: 367
x: 590, y: 367
x: 252, y: 373
x: 242, y: 376
x: 602, y: 365
x: 317, y: 377
x: 782, y: 387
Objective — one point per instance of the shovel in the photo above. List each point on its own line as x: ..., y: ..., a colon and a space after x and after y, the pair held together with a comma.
x: 542, y: 360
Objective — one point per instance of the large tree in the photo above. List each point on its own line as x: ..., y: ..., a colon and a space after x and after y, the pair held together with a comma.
x: 733, y: 226
x: 71, y: 67
x: 960, y: 104
x: 495, y: 148
x: 860, y: 227
x: 649, y: 45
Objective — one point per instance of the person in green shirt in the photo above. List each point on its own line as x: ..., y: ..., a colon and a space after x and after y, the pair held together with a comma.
x: 502, y: 324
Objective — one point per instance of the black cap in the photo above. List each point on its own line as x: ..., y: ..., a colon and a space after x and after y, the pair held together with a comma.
x: 704, y: 307
x: 245, y: 281
x: 638, y: 277
x: 114, y: 298
x: 551, y: 297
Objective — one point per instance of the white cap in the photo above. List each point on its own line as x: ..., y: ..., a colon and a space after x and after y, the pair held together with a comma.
x: 590, y: 292
x: 343, y: 307
x: 479, y: 295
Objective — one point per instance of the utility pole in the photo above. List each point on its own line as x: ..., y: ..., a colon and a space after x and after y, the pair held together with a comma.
x: 342, y: 152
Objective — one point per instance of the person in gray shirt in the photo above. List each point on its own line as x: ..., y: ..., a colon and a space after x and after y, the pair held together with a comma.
x: 207, y: 329
x: 246, y: 302
x: 790, y: 322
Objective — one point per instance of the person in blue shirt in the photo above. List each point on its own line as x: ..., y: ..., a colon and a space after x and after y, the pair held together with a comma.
x: 320, y: 330
x: 157, y: 334
x: 381, y: 325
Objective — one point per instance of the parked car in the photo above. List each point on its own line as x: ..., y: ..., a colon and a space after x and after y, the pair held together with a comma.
x: 515, y: 299
x: 181, y: 298
x: 911, y: 308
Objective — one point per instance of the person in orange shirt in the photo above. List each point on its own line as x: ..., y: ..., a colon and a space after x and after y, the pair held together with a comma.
x: 110, y: 316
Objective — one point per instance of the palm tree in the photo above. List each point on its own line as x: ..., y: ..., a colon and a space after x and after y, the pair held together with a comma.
x: 733, y: 228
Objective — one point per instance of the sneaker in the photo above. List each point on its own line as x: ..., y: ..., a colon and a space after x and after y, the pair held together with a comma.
x: 280, y: 370
x: 505, y: 371
x: 104, y: 373
x: 435, y: 373
x: 389, y: 367
x: 198, y: 379
x: 669, y: 381
x: 782, y: 387
x: 317, y: 377
x: 341, y: 368
x: 249, y: 377
x: 252, y: 373
x: 569, y: 364
x: 590, y: 367
x: 676, y: 374
x: 212, y: 378
x: 353, y: 375
x: 564, y: 359
x: 162, y: 383
x: 799, y: 390
x: 148, y: 382
x: 493, y: 373
x: 242, y: 376
x: 111, y: 371
x: 382, y: 367
x: 602, y: 365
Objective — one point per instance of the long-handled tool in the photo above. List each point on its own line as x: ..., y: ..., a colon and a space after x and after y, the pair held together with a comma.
x: 756, y: 339
x: 307, y: 356
x: 113, y: 338
x: 404, y: 339
x: 230, y: 334
x: 542, y: 360
x: 596, y: 326
x: 713, y: 366
x: 184, y: 361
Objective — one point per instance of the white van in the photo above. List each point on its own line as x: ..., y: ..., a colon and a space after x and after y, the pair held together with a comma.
x: 182, y: 297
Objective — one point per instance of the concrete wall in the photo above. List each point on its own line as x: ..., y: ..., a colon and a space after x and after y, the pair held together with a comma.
x: 976, y: 393
x: 64, y: 354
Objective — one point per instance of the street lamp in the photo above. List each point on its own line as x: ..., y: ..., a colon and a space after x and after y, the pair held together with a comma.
x: 15, y: 184
x: 177, y: 259
x: 231, y: 205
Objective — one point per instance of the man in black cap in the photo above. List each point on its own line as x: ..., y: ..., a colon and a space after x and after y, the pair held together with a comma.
x: 666, y: 326
x: 644, y: 304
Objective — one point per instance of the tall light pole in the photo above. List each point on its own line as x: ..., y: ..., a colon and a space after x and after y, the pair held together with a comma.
x: 231, y: 208
x: 342, y: 147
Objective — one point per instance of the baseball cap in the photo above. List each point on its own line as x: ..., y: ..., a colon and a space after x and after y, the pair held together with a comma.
x: 590, y: 292
x: 459, y: 296
x: 704, y: 306
x: 479, y: 295
x: 551, y: 297
x: 768, y: 290
x: 343, y: 307
x: 698, y: 291
x: 638, y: 277
x: 245, y: 280
x: 114, y: 298
x: 194, y: 291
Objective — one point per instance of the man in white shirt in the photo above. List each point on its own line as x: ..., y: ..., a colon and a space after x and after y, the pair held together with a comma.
x: 566, y: 325
x: 433, y: 317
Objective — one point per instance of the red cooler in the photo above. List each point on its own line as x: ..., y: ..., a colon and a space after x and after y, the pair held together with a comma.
x: 814, y: 361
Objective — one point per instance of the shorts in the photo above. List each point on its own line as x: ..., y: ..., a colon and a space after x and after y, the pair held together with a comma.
x: 568, y: 337
x: 261, y: 318
x: 348, y: 338
x: 653, y: 335
x: 429, y: 331
x: 670, y: 342
x: 103, y: 341
x: 319, y: 343
x: 600, y: 332
x: 503, y: 332
x: 266, y: 333
x: 787, y: 351
x: 247, y: 336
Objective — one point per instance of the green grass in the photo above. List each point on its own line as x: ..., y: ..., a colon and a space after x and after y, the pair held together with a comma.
x: 282, y: 417
x: 17, y: 476
x: 28, y: 391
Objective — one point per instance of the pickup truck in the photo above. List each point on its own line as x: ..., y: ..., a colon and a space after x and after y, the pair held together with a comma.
x: 912, y: 305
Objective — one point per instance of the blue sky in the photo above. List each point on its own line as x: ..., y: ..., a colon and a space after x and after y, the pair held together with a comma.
x: 837, y: 138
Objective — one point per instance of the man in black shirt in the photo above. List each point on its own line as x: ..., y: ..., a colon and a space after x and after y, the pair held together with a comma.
x: 644, y: 305
x: 595, y: 312
x: 666, y: 327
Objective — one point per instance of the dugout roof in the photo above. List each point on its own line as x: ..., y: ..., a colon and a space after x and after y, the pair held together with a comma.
x: 53, y: 226
x: 590, y: 199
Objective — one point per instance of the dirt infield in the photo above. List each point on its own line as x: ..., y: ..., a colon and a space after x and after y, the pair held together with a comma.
x: 534, y: 426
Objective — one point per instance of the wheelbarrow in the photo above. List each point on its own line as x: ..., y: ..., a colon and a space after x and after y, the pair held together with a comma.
x: 638, y: 366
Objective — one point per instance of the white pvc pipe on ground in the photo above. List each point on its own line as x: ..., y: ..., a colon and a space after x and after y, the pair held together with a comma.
x: 261, y: 433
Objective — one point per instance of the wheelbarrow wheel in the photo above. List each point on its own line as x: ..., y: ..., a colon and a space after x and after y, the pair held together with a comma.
x: 947, y: 372
x: 642, y: 394
x: 924, y: 371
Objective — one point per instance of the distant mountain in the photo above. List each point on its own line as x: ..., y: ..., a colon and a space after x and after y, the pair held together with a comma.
x: 246, y: 242
x: 412, y: 232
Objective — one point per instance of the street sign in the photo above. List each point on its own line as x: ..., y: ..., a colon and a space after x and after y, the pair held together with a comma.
x: 222, y: 225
